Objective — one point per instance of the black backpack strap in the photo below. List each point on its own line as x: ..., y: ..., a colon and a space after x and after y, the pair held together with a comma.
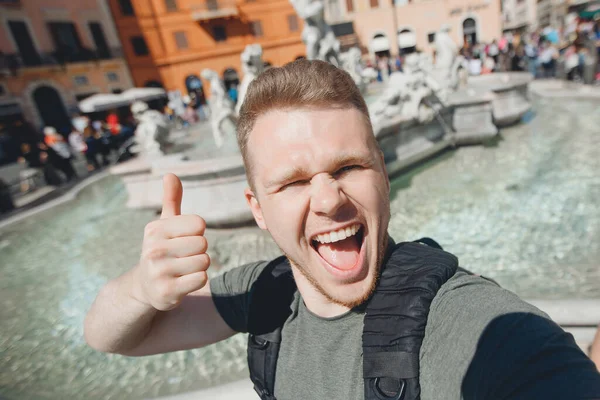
x: 270, y: 300
x: 395, y: 319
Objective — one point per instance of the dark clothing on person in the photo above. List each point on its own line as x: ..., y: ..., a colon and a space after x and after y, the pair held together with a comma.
x: 481, y: 342
x: 61, y: 163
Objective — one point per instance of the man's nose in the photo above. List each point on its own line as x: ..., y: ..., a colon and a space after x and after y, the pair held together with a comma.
x: 326, y: 196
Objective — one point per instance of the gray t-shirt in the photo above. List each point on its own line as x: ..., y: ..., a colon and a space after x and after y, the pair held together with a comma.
x: 321, y: 358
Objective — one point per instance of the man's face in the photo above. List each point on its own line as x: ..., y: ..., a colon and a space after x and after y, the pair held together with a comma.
x: 322, y: 191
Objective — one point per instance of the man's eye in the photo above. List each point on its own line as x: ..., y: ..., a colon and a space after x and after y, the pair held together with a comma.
x: 293, y: 184
x: 343, y: 170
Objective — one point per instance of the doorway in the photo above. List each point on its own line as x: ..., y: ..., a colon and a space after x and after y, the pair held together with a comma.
x: 51, y: 109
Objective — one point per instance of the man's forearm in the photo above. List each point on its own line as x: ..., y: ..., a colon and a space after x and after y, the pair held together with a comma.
x: 117, y: 322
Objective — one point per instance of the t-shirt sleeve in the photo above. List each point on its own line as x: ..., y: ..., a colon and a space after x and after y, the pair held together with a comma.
x: 231, y: 294
x: 484, y: 342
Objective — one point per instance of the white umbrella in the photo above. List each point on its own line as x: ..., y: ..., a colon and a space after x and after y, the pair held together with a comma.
x: 101, y: 102
x: 143, y: 94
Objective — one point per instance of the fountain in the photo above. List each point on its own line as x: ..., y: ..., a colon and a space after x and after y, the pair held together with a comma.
x: 523, y: 212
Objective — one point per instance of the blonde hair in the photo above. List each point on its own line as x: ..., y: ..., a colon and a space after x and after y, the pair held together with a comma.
x: 299, y: 84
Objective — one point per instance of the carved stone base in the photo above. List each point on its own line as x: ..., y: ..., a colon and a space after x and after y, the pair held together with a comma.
x: 473, y: 117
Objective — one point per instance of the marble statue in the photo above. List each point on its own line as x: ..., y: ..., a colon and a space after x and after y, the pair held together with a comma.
x: 152, y: 130
x: 403, y: 98
x: 221, y: 106
x: 352, y: 63
x: 252, y: 66
x: 320, y: 41
x: 447, y: 61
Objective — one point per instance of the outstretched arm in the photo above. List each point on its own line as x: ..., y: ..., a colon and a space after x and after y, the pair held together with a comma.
x: 164, y: 303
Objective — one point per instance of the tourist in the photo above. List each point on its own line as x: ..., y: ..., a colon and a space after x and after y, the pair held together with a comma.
x: 77, y: 142
x: 318, y: 185
x: 58, y: 153
x: 547, y: 59
x: 104, y: 140
x: 493, y: 50
x: 531, y: 52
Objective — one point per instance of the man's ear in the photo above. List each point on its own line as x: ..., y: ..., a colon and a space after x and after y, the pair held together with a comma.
x: 255, y: 208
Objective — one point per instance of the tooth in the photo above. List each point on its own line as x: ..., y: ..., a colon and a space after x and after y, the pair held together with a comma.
x: 322, y: 239
x: 326, y: 238
x: 348, y: 231
x: 341, y: 234
x: 333, y: 236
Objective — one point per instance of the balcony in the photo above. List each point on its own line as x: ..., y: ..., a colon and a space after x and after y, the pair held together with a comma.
x: 214, y: 9
x: 11, y: 63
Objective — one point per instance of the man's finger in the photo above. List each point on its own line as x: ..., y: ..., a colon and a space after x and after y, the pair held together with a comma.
x: 188, y: 265
x: 172, y: 195
x: 192, y: 282
x: 187, y: 246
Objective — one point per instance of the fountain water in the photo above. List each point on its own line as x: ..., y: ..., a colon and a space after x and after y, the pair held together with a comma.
x: 531, y: 221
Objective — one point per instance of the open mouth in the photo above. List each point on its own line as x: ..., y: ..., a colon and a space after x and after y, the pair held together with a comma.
x: 340, y: 248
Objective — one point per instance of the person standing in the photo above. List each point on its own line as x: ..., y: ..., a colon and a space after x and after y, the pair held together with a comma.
x: 59, y: 153
x: 347, y: 313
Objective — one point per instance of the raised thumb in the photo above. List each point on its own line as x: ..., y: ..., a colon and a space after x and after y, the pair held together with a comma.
x: 172, y: 195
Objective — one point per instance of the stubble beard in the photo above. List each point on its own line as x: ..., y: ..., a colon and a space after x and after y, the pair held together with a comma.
x: 348, y: 303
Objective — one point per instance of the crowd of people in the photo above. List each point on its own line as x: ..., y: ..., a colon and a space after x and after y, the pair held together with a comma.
x: 547, y: 53
x: 54, y: 153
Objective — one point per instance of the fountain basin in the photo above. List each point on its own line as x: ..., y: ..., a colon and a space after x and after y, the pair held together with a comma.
x: 212, y: 188
x: 511, y: 102
x: 472, y: 116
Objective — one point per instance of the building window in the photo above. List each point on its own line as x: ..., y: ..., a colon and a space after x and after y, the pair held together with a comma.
x: 293, y: 22
x: 66, y: 40
x: 431, y: 37
x: 99, y: 40
x: 112, y: 76
x: 139, y: 46
x: 219, y: 33
x: 126, y: 7
x: 171, y: 5
x: 21, y: 35
x: 81, y: 80
x: 350, y: 5
x: 256, y: 28
x: 374, y: 3
x: 181, y: 40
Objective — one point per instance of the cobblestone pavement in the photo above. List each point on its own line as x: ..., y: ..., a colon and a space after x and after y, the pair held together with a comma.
x: 524, y: 211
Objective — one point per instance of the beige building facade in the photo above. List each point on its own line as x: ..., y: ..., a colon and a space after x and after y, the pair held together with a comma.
x: 55, y: 53
x: 380, y: 26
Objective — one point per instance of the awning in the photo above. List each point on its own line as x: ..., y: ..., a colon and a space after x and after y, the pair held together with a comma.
x: 406, y: 40
x: 143, y: 94
x: 591, y: 12
x: 380, y: 43
x: 102, y: 102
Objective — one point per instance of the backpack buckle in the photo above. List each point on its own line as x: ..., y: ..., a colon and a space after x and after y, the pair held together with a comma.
x: 379, y: 394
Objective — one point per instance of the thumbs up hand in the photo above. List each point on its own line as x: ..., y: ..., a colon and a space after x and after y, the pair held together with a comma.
x: 174, y: 260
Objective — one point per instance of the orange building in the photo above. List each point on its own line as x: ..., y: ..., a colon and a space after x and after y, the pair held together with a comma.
x: 168, y: 42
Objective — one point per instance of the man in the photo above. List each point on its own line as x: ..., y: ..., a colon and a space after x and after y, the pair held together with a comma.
x: 319, y: 186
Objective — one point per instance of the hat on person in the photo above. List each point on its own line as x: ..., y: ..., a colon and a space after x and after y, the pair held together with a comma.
x: 49, y: 130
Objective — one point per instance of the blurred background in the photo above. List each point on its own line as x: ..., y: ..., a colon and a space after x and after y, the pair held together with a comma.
x: 100, y: 98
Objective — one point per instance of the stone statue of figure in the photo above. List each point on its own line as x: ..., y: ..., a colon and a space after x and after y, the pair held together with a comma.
x: 221, y: 106
x: 447, y: 62
x: 351, y: 63
x: 403, y: 97
x: 317, y: 35
x: 252, y: 66
x: 152, y: 130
